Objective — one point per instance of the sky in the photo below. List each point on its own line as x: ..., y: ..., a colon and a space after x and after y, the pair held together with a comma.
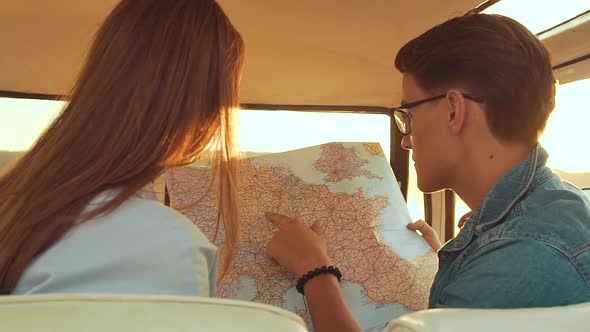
x: 539, y: 15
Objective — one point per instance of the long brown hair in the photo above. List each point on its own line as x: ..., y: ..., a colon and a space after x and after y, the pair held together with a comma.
x: 158, y: 89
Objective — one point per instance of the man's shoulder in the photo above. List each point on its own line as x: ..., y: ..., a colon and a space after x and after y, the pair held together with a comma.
x: 518, y: 272
x: 555, y: 194
x: 560, y: 244
x: 555, y: 214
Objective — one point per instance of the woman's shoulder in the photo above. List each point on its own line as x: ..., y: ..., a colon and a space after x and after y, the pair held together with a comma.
x: 141, y: 247
x: 142, y: 212
x: 149, y: 208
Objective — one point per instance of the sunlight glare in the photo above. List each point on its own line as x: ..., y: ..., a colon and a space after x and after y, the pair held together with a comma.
x: 278, y: 131
x: 23, y: 120
x: 539, y: 15
x: 567, y: 134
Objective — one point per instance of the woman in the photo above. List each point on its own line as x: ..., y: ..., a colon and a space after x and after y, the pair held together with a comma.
x: 158, y: 90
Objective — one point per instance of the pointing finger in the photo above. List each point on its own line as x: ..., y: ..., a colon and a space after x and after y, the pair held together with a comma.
x: 318, y: 227
x: 278, y: 219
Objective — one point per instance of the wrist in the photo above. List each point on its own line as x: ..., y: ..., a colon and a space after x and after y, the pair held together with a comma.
x: 319, y: 283
x: 316, y: 273
x: 308, y: 266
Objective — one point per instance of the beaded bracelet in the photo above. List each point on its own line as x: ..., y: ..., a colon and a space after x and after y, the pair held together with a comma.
x: 316, y: 272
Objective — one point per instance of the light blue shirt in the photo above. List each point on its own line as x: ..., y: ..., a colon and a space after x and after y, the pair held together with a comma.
x: 143, y: 247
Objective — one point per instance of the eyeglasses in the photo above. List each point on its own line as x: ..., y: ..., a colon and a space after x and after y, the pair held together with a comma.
x: 402, y: 117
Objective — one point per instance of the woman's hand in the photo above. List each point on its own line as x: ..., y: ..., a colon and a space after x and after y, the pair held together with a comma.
x: 428, y: 233
x: 297, y: 247
x: 300, y: 249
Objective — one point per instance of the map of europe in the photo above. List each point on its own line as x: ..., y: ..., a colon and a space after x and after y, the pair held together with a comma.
x: 387, y: 269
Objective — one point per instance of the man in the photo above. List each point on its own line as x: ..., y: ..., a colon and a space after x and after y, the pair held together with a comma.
x: 477, y: 92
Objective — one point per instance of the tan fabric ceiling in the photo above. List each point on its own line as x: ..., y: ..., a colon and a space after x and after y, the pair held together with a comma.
x: 319, y: 52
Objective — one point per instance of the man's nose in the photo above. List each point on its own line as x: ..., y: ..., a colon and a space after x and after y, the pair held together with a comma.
x: 406, y: 142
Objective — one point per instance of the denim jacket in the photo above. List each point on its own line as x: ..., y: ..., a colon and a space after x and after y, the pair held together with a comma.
x: 527, y: 245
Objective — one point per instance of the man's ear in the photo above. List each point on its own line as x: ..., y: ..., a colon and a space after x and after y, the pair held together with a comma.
x: 456, y: 113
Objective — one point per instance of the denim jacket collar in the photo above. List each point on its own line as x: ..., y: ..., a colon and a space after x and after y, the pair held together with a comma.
x: 510, y: 189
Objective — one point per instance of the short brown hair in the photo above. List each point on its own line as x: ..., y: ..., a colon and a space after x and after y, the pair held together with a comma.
x: 495, y: 57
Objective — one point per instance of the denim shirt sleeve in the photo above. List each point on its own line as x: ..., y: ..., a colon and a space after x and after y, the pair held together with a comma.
x: 484, y: 280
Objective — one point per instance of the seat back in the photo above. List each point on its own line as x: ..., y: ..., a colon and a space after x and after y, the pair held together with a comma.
x: 566, y: 318
x: 90, y: 313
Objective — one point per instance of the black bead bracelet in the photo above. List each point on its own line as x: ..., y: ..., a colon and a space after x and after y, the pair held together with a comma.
x: 316, y: 272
